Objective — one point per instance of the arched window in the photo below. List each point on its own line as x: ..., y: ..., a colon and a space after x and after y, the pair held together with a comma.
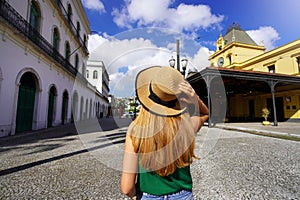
x: 81, y: 108
x: 58, y: 2
x: 67, y: 51
x: 26, y: 102
x: 95, y: 74
x: 83, y: 70
x: 70, y: 13
x: 76, y: 61
x: 35, y: 19
x: 229, y: 58
x: 87, y: 73
x: 90, y: 112
x: 298, y: 62
x: 86, y: 108
x: 84, y: 40
x: 51, y: 106
x: 64, y: 108
x: 74, y: 106
x: 271, y: 68
x: 78, y: 29
x: 55, y: 42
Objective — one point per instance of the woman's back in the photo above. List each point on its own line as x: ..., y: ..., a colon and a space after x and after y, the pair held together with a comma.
x: 160, y: 142
x: 163, y: 143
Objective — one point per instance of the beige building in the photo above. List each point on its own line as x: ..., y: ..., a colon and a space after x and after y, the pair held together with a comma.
x: 243, y: 79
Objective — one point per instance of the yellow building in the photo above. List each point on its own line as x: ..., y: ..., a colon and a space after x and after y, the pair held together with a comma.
x: 243, y: 79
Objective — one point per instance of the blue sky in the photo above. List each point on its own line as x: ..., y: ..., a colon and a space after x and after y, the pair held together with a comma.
x: 129, y: 35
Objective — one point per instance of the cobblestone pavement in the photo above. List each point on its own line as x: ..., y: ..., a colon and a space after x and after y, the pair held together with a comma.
x: 58, y: 163
x: 237, y: 165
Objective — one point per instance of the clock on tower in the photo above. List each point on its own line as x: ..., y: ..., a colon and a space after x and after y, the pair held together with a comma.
x: 220, y: 61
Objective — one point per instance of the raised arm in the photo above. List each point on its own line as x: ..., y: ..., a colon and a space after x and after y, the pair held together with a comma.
x: 200, y: 114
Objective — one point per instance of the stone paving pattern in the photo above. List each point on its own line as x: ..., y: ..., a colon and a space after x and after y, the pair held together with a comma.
x: 57, y: 163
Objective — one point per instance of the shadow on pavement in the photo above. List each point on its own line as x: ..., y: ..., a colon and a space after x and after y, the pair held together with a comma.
x: 59, y: 135
x: 55, y: 158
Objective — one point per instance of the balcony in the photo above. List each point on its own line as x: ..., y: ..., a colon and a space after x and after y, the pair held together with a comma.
x: 71, y: 25
x: 14, y: 19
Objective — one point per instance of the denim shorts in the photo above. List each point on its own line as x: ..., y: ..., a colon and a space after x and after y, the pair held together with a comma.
x: 182, y: 195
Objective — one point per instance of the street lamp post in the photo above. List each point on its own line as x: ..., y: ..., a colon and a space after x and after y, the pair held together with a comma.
x: 184, y: 61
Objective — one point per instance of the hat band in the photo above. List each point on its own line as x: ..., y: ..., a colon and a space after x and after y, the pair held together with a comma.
x: 156, y: 99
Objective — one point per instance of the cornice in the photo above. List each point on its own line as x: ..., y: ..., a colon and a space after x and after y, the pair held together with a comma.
x: 235, y: 44
x: 274, y: 53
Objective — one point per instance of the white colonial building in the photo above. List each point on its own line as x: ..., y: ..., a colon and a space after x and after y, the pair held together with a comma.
x: 97, y: 75
x: 43, y: 45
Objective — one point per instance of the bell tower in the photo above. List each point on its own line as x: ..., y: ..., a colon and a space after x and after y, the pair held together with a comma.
x: 234, y: 48
x: 220, y: 43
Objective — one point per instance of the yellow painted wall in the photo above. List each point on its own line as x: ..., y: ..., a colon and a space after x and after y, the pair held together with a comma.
x: 238, y: 54
x: 292, y: 108
x: 241, y: 54
x: 285, y: 63
x: 239, y: 105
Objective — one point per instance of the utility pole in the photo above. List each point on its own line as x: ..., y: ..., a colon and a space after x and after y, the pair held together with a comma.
x: 178, y: 54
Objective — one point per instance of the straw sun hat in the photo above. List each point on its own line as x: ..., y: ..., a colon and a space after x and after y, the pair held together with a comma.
x: 157, y: 88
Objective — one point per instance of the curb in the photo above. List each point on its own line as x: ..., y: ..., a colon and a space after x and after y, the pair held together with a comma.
x: 275, y: 134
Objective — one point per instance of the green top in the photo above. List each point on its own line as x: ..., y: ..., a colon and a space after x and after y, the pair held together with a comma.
x: 152, y: 183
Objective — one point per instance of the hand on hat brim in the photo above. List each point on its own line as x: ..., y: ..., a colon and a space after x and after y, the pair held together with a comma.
x: 188, y: 94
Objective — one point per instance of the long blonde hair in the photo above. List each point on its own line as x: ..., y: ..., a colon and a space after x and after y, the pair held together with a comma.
x: 163, y: 143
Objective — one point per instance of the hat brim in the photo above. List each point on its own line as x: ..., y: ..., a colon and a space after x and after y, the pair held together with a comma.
x: 142, y: 84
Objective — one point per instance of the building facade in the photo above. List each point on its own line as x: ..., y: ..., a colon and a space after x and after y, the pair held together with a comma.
x: 43, y: 57
x: 97, y: 75
x: 251, y: 78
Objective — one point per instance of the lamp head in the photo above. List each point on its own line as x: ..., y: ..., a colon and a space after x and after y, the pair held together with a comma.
x: 172, y: 62
x: 184, y: 63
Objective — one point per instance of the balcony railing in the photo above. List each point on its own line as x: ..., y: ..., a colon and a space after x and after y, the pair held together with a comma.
x: 12, y: 17
x: 72, y: 26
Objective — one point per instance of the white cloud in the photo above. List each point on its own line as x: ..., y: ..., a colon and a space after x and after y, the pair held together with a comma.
x: 94, y: 5
x: 266, y: 34
x: 200, y: 60
x: 146, y: 11
x: 160, y: 13
x: 122, y: 84
x: 95, y: 41
x: 194, y: 17
x: 135, y: 53
x: 119, y: 53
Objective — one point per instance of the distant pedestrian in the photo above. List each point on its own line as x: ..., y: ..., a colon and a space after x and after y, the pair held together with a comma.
x: 160, y: 142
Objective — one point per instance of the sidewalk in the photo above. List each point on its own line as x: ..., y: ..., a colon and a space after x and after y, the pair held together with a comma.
x: 70, y: 129
x: 285, y: 130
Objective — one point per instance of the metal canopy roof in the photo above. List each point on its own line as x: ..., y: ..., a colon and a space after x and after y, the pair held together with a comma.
x: 241, y: 81
x: 244, y: 75
x: 223, y: 82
